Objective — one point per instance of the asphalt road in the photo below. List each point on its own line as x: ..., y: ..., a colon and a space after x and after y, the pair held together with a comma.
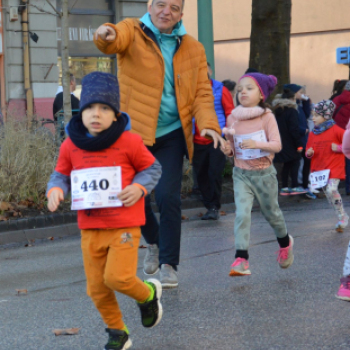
x: 269, y: 310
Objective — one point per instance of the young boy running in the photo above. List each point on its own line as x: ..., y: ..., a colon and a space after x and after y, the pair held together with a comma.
x: 110, y: 171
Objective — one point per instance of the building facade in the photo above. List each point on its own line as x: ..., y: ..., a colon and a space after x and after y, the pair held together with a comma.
x: 44, y: 55
x: 319, y: 27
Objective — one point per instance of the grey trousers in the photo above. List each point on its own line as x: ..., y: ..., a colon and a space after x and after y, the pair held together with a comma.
x: 261, y: 184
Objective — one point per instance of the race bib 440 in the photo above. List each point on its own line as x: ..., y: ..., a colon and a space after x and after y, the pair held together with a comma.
x: 96, y: 188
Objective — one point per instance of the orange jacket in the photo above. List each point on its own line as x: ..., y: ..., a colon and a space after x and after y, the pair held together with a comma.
x: 141, y: 71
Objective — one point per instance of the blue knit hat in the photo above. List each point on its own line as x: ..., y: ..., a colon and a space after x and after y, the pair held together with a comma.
x: 293, y: 87
x: 99, y: 87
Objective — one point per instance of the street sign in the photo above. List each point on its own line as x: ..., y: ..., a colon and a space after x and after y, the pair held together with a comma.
x: 343, y: 55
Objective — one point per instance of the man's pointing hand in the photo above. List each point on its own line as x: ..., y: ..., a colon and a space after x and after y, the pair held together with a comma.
x: 106, y: 33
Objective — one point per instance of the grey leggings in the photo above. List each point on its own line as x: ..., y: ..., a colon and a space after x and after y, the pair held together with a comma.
x: 261, y: 184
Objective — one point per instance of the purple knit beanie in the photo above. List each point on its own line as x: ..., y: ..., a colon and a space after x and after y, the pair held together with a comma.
x: 325, y: 108
x: 266, y: 83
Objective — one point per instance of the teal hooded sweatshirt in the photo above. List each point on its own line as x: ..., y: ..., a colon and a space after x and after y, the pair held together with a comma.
x: 168, y: 119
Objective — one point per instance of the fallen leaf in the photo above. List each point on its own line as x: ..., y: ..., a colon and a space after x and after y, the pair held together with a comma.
x: 223, y: 213
x: 50, y: 238
x: 67, y: 331
x: 200, y: 215
x: 142, y: 246
x: 21, y: 291
x: 183, y: 217
x: 23, y: 204
x: 5, y: 206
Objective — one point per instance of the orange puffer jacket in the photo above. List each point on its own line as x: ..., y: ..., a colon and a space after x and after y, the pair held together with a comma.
x: 141, y: 71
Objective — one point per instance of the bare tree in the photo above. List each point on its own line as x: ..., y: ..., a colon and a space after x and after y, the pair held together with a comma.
x: 67, y: 107
x: 270, y: 38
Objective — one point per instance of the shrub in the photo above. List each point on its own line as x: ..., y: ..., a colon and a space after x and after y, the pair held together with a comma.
x: 27, y: 158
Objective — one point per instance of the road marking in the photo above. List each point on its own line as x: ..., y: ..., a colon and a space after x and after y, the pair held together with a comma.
x: 3, y: 301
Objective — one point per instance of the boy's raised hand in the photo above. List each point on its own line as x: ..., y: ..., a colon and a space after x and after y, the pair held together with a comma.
x: 106, y: 33
x: 310, y: 152
x: 130, y: 195
x: 56, y: 196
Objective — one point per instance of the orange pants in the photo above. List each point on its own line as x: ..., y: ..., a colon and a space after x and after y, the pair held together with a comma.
x: 110, y: 262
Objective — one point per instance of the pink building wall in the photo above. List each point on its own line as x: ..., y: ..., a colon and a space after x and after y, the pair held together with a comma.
x: 42, y: 108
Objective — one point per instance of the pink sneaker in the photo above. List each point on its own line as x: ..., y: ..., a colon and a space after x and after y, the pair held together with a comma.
x: 285, y: 255
x: 240, y: 267
x: 344, y: 289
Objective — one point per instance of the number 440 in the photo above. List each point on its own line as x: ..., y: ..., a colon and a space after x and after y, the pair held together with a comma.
x: 94, y: 186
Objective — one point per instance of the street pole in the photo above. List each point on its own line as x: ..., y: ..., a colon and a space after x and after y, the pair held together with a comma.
x: 67, y: 107
x: 26, y: 61
x: 205, y: 30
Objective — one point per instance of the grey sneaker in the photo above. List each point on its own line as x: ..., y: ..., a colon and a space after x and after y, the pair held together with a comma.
x: 168, y: 276
x: 151, y: 261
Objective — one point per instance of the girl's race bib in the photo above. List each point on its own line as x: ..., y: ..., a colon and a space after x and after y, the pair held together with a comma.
x: 250, y: 153
x: 319, y: 179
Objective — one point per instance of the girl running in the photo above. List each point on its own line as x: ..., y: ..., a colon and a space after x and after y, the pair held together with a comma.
x: 253, y: 140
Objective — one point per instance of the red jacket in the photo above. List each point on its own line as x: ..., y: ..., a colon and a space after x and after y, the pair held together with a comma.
x: 324, y: 158
x: 128, y: 152
x: 342, y: 117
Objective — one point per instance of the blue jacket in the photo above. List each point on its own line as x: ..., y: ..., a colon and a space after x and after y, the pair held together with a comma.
x: 219, y: 109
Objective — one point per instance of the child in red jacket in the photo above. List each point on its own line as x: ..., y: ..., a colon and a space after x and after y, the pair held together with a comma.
x: 109, y: 171
x: 324, y: 147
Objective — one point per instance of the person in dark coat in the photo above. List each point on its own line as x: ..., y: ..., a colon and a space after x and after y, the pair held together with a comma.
x: 304, y: 110
x: 286, y: 112
x: 341, y: 117
x: 58, y: 102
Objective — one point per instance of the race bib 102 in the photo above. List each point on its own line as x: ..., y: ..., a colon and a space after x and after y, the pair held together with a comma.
x: 96, y: 188
x: 319, y: 179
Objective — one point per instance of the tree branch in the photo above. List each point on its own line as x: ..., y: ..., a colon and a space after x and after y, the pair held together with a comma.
x: 73, y: 4
x: 43, y: 11
x: 54, y: 8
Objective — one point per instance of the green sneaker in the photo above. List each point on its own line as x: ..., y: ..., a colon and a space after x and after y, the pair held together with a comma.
x: 152, y: 311
x: 117, y: 340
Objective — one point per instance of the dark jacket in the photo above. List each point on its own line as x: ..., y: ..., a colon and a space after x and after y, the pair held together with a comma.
x: 287, y: 117
x: 304, y: 110
x: 58, y: 103
x: 341, y: 116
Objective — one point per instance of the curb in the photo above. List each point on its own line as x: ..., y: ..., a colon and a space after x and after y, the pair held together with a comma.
x: 29, y: 236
